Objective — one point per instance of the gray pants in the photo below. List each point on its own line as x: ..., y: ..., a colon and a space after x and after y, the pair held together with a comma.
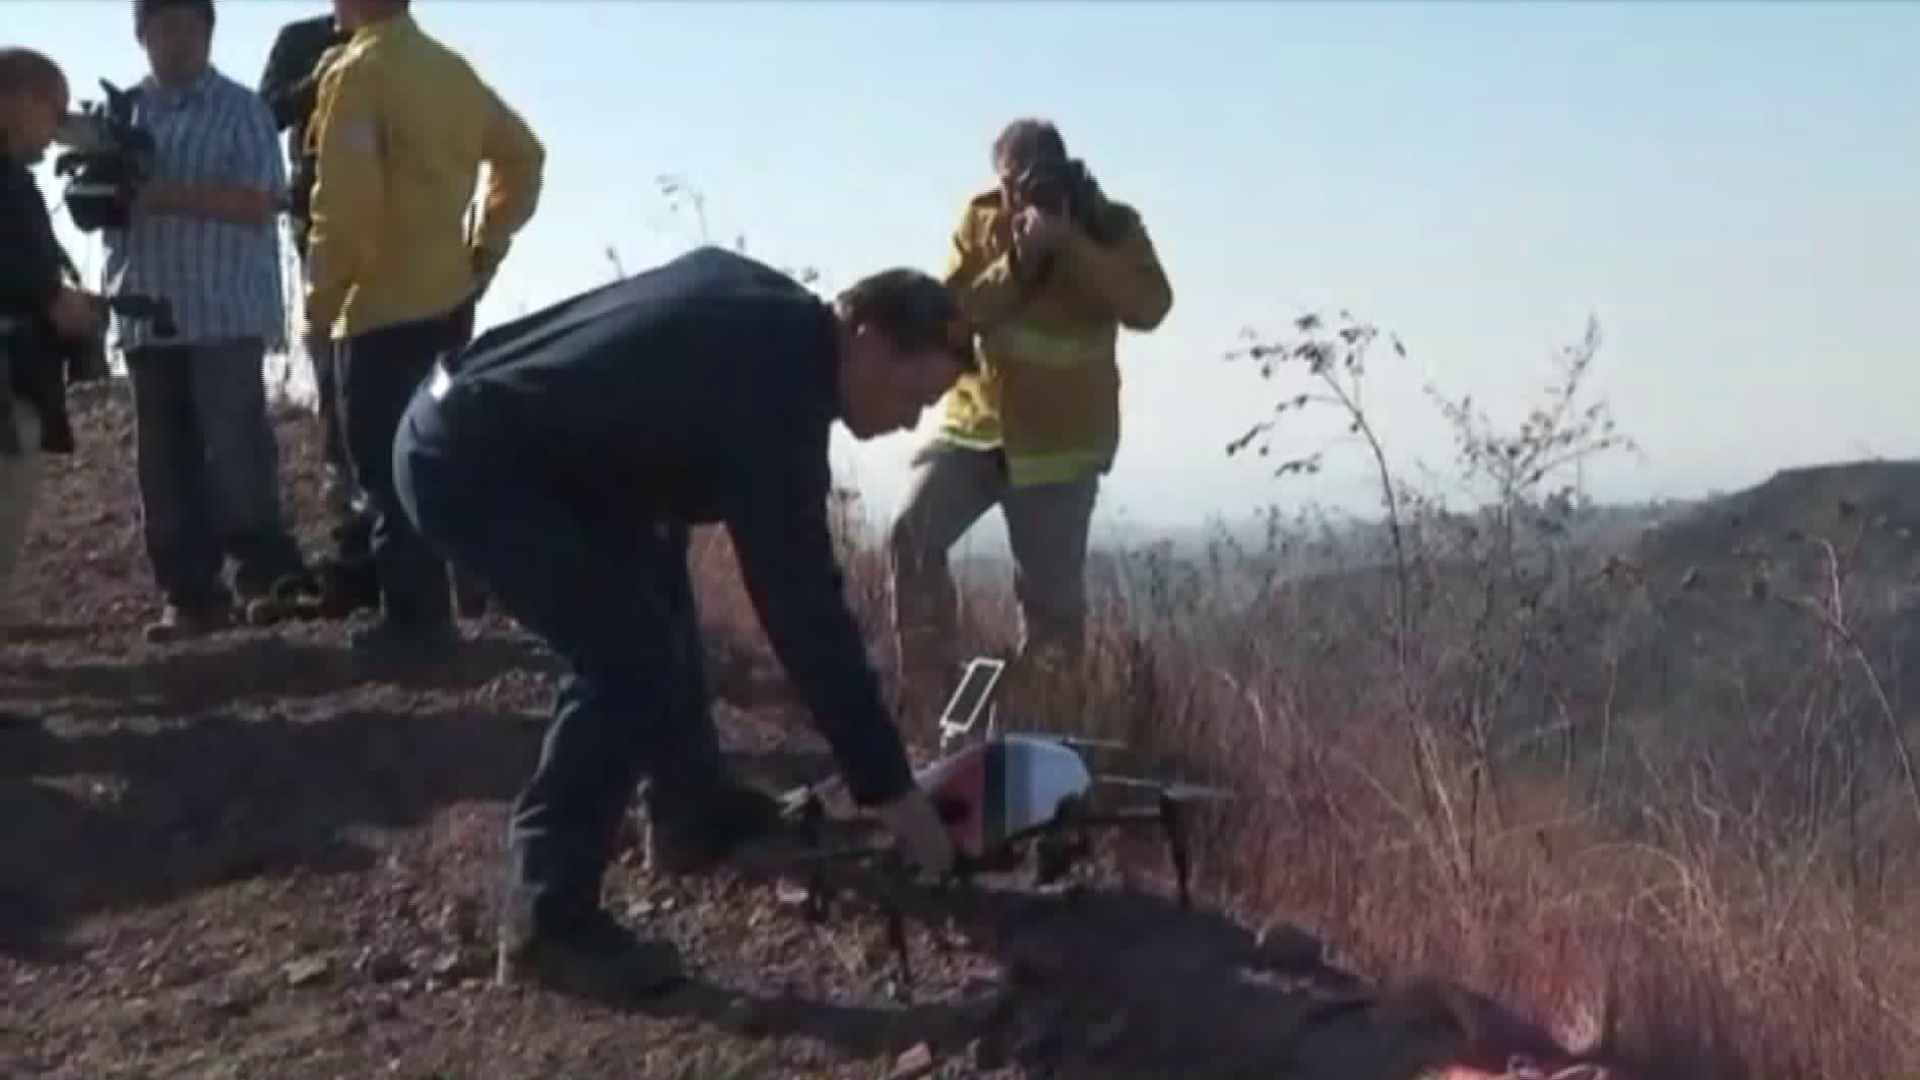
x: 209, y: 470
x: 1047, y: 528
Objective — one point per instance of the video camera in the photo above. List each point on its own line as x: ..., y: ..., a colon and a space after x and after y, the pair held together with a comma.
x: 109, y: 160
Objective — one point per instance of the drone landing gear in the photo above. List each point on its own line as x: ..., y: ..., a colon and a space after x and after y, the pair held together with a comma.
x: 1166, y: 813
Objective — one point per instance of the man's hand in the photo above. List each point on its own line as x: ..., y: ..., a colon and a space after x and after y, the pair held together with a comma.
x: 914, y: 822
x: 1037, y: 234
x: 77, y: 314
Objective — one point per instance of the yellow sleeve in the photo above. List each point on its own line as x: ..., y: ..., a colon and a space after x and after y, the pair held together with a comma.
x: 515, y: 159
x: 988, y: 290
x: 1124, y: 282
x: 349, y: 193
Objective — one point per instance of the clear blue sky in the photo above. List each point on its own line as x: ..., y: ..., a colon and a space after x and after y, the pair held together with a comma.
x: 1729, y: 187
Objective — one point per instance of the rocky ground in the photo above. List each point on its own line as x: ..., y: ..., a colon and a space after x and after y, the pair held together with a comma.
x: 249, y: 857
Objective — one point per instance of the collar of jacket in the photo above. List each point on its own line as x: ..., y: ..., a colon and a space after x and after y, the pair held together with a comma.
x: 179, y: 95
x: 397, y: 24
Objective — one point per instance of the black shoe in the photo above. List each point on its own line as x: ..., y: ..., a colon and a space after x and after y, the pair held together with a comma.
x: 688, y: 838
x: 470, y: 599
x: 595, y: 958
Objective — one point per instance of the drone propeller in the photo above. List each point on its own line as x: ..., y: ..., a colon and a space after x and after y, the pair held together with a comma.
x: 1178, y: 791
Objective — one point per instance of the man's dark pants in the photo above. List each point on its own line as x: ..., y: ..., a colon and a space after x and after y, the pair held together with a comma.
x: 616, y: 603
x: 208, y: 467
x: 379, y: 371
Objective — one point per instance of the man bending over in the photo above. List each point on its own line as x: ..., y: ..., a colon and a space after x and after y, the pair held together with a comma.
x: 562, y: 465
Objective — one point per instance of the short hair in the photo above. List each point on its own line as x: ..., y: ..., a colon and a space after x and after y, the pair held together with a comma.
x: 1029, y: 141
x: 23, y: 70
x: 147, y: 9
x: 914, y: 309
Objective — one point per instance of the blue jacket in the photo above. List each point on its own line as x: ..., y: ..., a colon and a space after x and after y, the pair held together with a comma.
x: 702, y: 391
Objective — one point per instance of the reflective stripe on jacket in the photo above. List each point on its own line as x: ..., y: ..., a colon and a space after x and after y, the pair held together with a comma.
x: 1048, y: 389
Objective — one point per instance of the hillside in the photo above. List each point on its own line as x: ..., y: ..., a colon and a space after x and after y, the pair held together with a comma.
x: 246, y: 857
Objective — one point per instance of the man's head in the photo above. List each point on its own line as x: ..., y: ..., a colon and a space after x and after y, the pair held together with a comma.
x: 1030, y: 160
x: 177, y: 35
x: 33, y: 102
x: 904, y: 343
x: 353, y: 14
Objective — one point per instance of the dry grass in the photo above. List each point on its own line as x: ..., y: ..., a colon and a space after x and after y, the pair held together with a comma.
x: 1452, y: 763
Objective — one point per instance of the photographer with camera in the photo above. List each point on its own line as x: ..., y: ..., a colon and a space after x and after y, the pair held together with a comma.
x: 1048, y: 269
x: 38, y: 309
x: 202, y: 233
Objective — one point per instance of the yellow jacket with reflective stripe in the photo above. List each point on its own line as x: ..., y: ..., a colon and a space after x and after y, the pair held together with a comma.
x: 401, y: 126
x: 1048, y: 389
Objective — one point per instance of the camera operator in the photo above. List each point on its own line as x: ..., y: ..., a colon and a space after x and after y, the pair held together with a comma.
x: 203, y: 236
x: 1049, y: 270
x: 37, y: 307
x: 290, y: 86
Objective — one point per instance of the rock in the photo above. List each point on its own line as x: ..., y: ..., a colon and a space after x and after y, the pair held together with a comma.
x: 306, y: 972
x: 381, y: 965
x: 1284, y: 947
x: 449, y: 964
x: 913, y: 1064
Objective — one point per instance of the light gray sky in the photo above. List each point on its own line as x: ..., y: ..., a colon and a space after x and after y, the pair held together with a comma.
x: 1729, y: 187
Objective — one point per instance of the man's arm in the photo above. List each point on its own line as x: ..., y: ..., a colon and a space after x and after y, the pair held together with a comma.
x: 988, y: 290
x: 349, y: 190
x: 287, y: 84
x: 515, y: 162
x: 258, y: 178
x: 30, y: 274
x: 1124, y: 282
x: 784, y: 546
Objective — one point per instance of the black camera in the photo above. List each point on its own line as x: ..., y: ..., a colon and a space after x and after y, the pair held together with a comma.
x: 109, y: 160
x: 1048, y: 188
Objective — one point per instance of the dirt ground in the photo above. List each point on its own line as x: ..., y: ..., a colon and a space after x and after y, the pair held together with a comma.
x: 247, y: 857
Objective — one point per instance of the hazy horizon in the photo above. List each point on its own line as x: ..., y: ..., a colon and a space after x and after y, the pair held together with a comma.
x: 1727, y: 187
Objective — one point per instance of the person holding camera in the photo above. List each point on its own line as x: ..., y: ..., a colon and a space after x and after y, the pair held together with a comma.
x: 401, y: 127
x: 202, y: 234
x: 1048, y: 269
x: 37, y: 307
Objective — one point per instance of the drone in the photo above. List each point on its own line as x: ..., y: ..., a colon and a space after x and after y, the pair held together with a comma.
x: 1006, y: 798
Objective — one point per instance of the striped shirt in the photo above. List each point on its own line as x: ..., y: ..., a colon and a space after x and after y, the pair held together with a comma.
x: 223, y: 279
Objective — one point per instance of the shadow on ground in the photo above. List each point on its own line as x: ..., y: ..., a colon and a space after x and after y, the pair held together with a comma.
x: 149, y: 811
x: 1117, y: 983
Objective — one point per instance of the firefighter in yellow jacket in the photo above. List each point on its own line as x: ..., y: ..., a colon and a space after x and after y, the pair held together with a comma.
x: 1049, y: 270
x: 401, y: 127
